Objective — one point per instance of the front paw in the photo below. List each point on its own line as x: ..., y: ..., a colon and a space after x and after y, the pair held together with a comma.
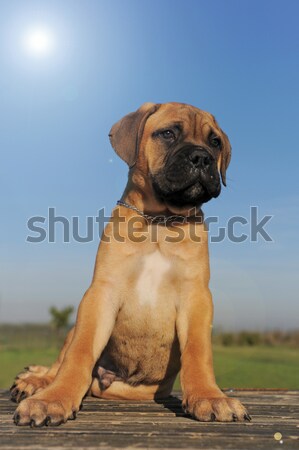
x: 30, y: 382
x: 37, y: 412
x: 221, y: 409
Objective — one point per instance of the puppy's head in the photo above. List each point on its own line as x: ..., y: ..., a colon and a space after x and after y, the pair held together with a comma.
x: 180, y: 148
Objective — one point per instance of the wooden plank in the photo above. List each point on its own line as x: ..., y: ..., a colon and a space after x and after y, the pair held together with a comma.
x: 120, y: 424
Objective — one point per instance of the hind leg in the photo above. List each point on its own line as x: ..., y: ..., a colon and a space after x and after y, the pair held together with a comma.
x: 119, y: 390
x: 36, y: 378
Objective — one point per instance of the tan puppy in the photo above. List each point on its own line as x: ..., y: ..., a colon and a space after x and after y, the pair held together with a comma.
x: 148, y: 312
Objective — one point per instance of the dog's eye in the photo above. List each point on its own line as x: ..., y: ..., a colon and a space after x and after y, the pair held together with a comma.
x: 215, y: 141
x: 167, y: 135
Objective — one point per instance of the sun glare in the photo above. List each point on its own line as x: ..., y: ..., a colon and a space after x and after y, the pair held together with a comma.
x: 39, y: 41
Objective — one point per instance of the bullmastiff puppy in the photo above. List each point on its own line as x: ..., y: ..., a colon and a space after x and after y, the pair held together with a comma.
x: 148, y: 312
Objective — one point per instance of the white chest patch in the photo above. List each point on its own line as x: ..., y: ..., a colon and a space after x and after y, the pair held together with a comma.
x: 154, y: 268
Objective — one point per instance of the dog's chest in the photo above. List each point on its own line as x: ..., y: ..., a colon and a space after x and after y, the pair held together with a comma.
x: 154, y: 269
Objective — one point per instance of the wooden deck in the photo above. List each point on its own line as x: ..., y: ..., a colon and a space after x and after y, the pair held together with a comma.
x: 121, y: 424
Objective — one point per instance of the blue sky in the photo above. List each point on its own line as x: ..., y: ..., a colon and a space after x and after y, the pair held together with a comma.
x: 236, y: 59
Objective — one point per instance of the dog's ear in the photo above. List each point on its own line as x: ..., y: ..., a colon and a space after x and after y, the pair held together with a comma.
x: 225, y: 157
x: 125, y: 135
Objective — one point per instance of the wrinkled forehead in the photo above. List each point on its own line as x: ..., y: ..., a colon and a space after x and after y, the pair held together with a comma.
x: 187, y: 116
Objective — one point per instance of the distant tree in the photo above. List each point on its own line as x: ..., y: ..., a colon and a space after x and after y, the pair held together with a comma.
x: 228, y: 339
x: 250, y: 338
x: 60, y: 318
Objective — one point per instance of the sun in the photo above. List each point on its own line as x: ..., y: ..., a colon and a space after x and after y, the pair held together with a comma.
x: 39, y: 41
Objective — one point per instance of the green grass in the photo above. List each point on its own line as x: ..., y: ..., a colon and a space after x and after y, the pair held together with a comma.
x: 257, y: 367
x: 236, y: 367
x: 14, y: 361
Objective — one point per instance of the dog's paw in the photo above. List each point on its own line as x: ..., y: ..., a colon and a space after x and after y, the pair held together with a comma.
x: 38, y: 412
x: 222, y: 409
x: 27, y: 383
x: 37, y: 370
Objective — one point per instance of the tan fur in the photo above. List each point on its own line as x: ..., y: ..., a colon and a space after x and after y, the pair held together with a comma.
x: 147, y: 339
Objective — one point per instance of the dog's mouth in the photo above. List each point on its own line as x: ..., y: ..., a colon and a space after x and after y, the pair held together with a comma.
x: 193, y: 194
x: 182, y: 183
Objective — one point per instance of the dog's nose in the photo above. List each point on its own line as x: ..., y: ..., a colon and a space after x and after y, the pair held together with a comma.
x: 200, y: 158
